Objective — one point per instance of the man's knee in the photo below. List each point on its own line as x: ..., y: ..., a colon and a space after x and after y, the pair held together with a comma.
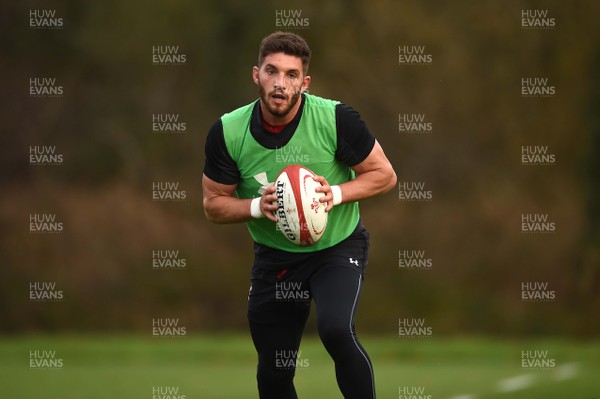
x: 334, y: 332
x: 276, y: 382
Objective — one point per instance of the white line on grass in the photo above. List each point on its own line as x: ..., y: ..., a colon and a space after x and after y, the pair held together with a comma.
x: 566, y: 371
x: 515, y: 383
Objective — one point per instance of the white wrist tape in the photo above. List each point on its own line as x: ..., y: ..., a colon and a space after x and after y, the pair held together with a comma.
x: 336, y: 191
x: 255, y: 211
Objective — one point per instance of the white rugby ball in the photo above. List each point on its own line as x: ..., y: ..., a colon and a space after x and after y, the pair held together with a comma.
x: 301, y: 218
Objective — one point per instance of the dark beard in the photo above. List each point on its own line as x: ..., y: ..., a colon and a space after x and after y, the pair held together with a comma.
x: 280, y: 113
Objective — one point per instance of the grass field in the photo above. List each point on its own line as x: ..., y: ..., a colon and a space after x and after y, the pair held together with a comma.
x: 223, y: 366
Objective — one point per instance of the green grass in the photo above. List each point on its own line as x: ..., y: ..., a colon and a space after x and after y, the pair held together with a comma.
x: 223, y: 366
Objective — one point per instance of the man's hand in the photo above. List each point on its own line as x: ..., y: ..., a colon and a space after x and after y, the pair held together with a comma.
x: 266, y: 203
x: 325, y: 189
x: 221, y: 205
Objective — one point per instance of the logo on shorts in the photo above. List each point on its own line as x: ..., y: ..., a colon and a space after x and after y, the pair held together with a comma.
x: 354, y: 261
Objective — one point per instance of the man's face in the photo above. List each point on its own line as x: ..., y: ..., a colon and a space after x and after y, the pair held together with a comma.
x: 281, y: 81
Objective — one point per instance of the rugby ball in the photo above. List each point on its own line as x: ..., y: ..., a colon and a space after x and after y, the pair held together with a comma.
x: 301, y: 218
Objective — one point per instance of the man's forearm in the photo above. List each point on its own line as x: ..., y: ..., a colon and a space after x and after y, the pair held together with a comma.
x: 368, y: 185
x: 224, y: 209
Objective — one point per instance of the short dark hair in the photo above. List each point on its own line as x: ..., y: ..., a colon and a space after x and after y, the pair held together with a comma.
x: 287, y: 43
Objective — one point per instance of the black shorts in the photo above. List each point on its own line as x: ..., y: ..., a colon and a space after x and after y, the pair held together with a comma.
x: 280, y: 280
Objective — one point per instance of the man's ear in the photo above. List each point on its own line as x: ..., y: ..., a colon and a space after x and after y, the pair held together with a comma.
x: 305, y: 84
x: 255, y: 74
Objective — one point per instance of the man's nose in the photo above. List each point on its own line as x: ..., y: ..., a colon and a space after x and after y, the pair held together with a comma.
x: 280, y: 81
